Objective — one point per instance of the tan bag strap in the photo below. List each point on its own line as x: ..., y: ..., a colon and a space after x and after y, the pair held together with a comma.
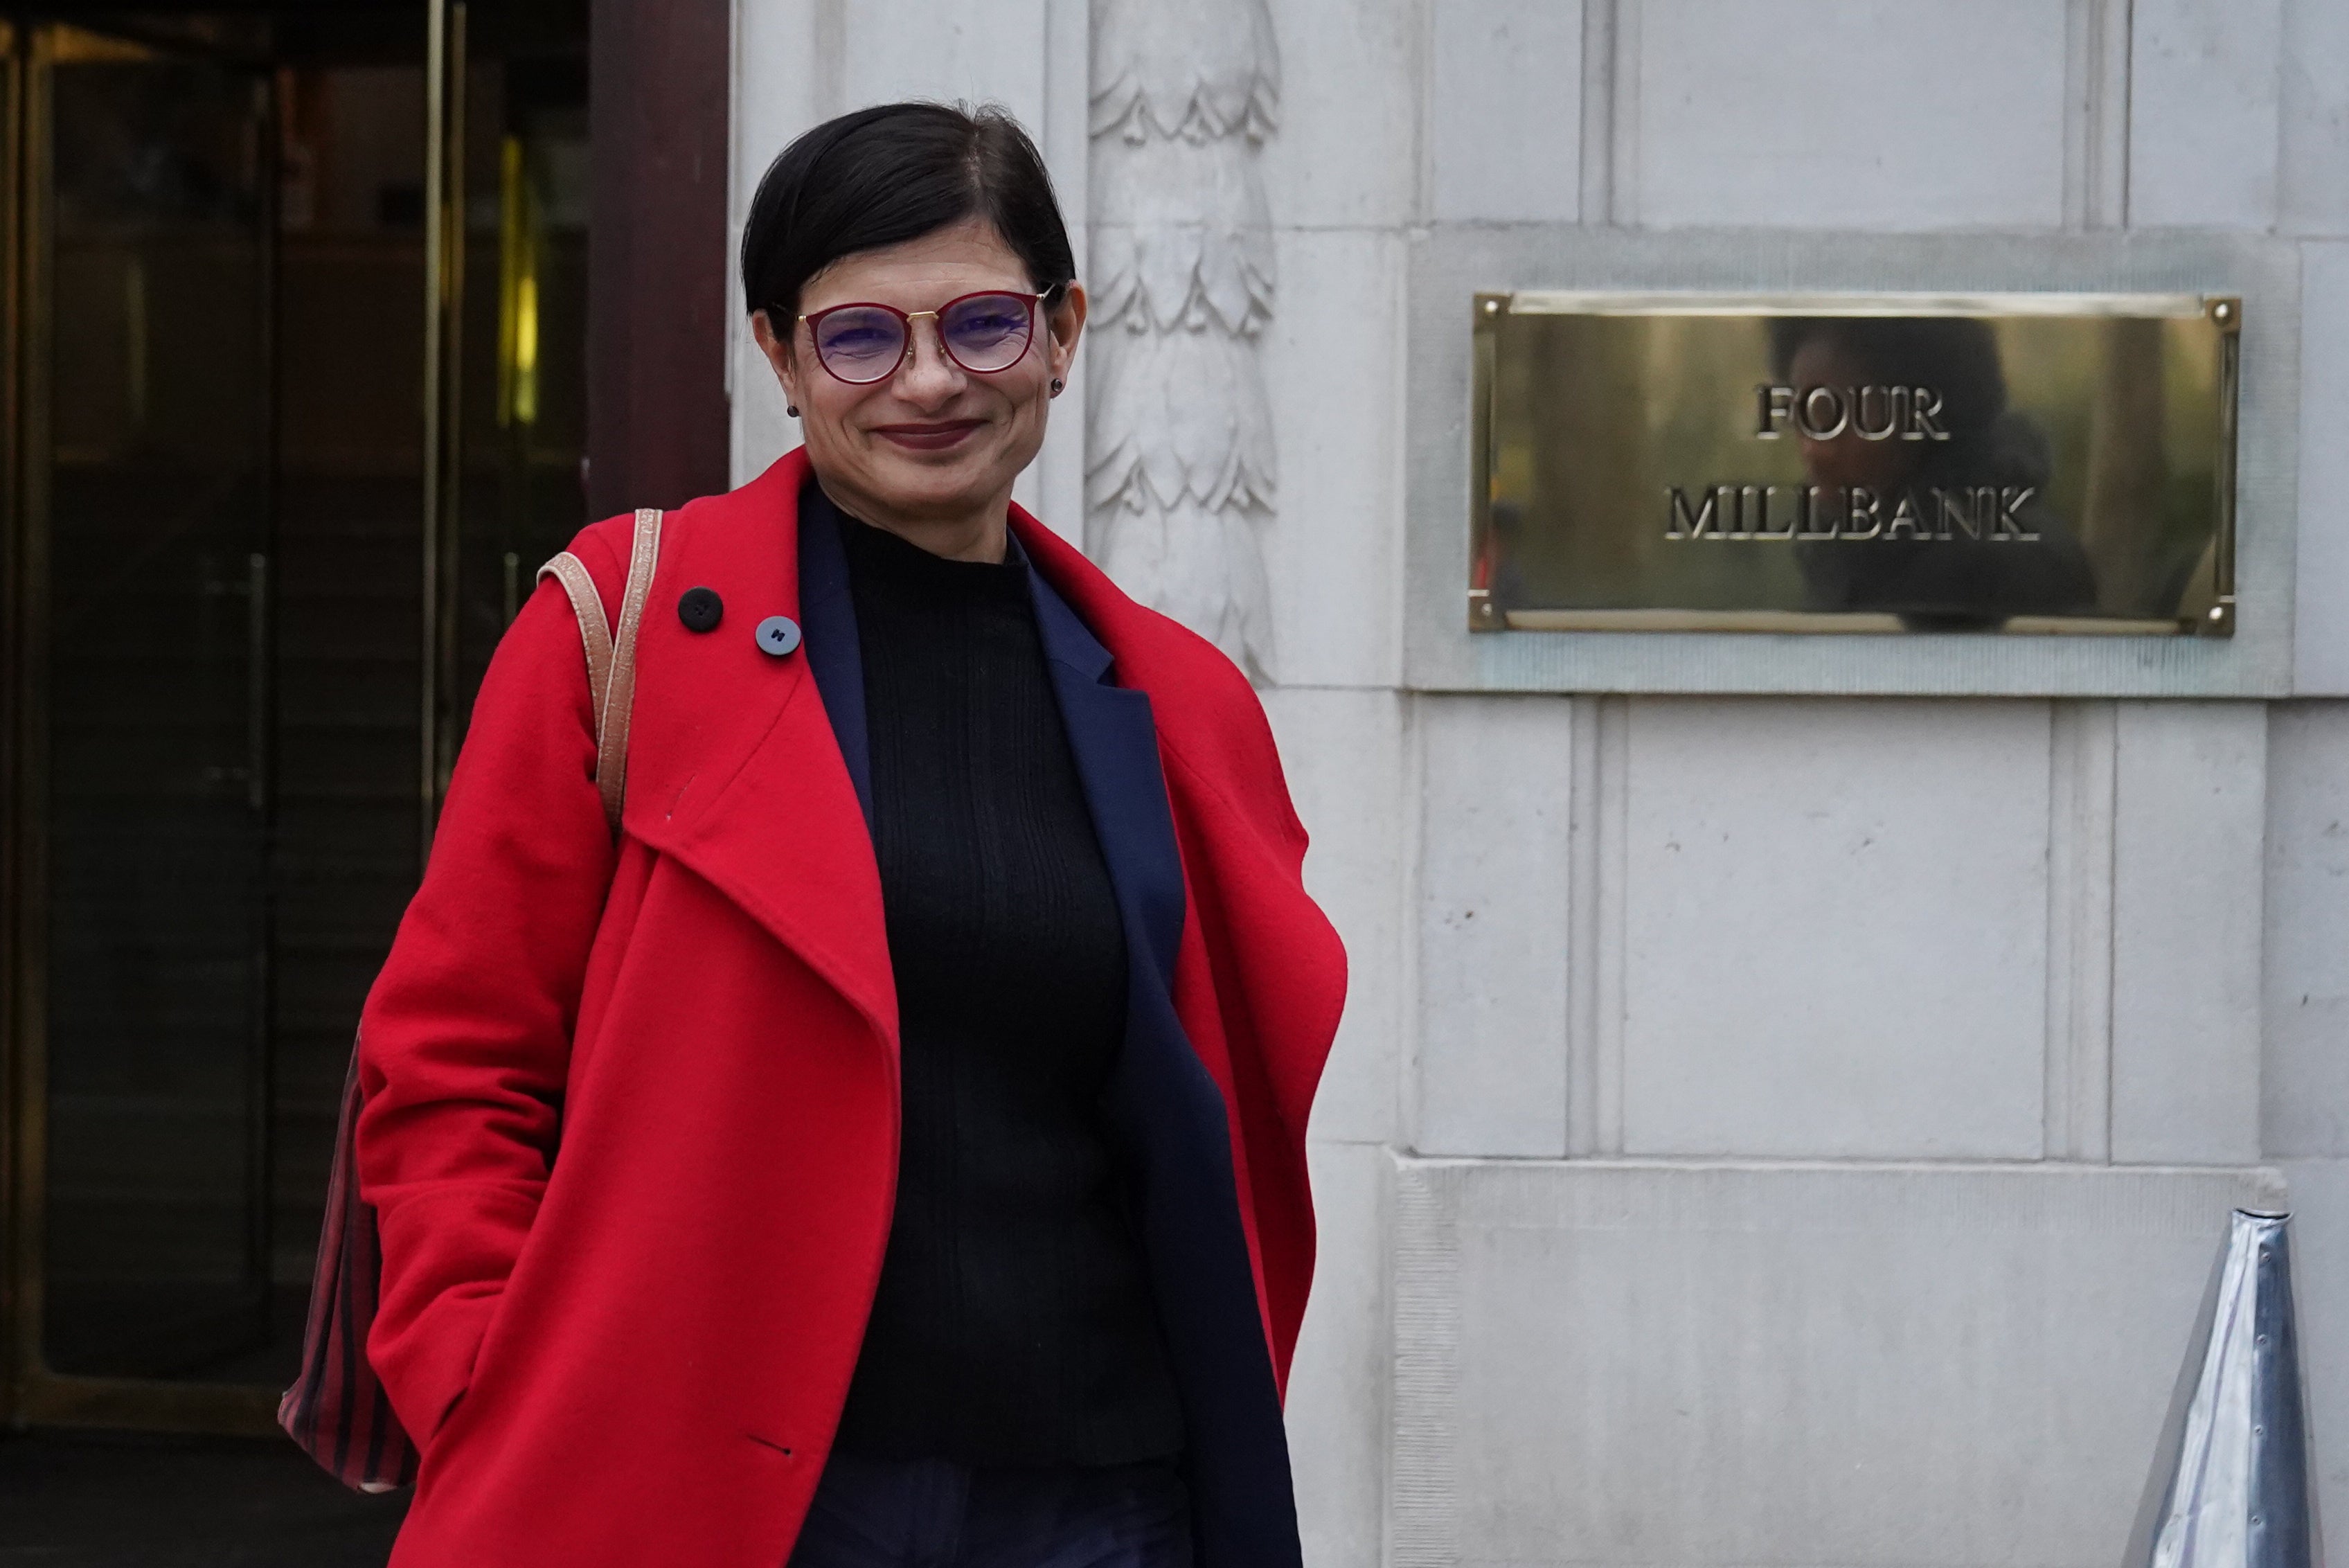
x: 588, y: 605
x: 611, y: 660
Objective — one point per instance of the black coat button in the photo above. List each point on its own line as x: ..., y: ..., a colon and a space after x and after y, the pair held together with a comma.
x: 778, y: 635
x: 701, y: 608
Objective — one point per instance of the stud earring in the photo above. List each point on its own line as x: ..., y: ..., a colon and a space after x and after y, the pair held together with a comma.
x: 1057, y: 385
x: 792, y: 409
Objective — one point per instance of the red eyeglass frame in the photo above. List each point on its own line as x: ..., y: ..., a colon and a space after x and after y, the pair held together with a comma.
x: 906, y: 320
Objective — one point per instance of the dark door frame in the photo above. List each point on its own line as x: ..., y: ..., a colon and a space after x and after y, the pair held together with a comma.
x: 657, y: 292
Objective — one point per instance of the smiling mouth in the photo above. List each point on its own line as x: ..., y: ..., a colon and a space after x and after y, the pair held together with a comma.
x: 935, y: 437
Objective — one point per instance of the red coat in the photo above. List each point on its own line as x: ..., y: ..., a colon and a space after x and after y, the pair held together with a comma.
x: 636, y: 1354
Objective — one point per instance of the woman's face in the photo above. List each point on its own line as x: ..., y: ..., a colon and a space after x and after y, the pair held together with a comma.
x: 932, y: 443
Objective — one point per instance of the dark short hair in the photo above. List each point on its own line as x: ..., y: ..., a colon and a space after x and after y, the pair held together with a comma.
x: 894, y: 173
x: 1956, y: 355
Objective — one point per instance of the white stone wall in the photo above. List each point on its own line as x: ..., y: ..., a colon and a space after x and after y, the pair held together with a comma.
x: 1765, y: 1129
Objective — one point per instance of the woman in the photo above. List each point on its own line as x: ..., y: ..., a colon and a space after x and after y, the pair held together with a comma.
x: 930, y: 1055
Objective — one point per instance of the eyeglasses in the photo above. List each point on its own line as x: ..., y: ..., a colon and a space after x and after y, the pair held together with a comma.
x: 983, y: 333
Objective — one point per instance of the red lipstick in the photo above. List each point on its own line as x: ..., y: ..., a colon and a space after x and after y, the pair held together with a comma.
x: 932, y: 437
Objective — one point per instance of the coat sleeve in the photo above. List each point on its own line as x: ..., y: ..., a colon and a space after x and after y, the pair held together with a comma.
x: 466, y: 1036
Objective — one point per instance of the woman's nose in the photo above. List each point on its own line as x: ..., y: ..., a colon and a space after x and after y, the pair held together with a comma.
x: 928, y: 377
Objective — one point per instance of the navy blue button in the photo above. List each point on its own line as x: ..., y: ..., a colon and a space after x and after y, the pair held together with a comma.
x: 778, y: 635
x: 701, y: 608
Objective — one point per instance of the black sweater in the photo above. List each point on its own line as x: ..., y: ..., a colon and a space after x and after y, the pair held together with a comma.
x: 1013, y: 1323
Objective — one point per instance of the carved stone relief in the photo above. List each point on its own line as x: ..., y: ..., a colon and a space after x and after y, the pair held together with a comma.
x: 1180, y: 466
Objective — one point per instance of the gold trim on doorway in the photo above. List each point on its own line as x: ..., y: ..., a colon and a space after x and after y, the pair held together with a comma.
x: 70, y: 45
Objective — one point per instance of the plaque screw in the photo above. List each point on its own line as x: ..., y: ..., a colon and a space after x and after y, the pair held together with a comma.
x: 2222, y: 311
x: 2218, y: 612
x: 1492, y: 308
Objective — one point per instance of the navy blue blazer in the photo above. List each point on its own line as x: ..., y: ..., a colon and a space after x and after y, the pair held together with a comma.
x: 1164, y: 1112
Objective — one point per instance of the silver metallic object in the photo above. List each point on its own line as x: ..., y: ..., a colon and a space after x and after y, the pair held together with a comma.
x: 2231, y: 1479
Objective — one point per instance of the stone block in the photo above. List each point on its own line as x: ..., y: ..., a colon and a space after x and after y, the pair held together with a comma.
x: 2320, y: 583
x: 776, y: 95
x: 1603, y: 1363
x: 1835, y: 929
x: 1338, y: 1386
x: 1504, y: 111
x: 1332, y: 363
x: 2316, y: 108
x: 2190, y: 816
x: 762, y: 430
x: 2205, y: 89
x: 978, y: 51
x: 777, y: 92
x: 1347, y: 152
x: 1494, y: 799
x: 1878, y: 114
x: 1343, y: 750
x: 2305, y: 1081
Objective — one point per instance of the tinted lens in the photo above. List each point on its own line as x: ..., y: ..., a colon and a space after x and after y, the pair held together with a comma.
x: 987, y: 331
x: 858, y: 343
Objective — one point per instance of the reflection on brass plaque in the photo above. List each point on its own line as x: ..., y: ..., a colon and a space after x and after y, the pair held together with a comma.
x: 2005, y: 462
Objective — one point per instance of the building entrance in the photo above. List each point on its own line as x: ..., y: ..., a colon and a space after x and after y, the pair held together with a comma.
x: 294, y: 308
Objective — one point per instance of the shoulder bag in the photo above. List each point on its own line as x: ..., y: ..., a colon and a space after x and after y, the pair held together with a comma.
x: 336, y: 1410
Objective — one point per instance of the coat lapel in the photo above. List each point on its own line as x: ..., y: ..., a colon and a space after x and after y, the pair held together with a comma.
x: 828, y: 616
x: 1168, y: 1109
x: 1276, y: 961
x: 734, y: 767
x: 1115, y: 743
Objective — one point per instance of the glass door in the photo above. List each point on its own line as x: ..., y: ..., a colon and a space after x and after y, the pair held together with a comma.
x: 149, y: 429
x: 279, y: 479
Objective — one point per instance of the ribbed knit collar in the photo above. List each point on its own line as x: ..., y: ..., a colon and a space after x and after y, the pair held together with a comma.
x: 879, y: 559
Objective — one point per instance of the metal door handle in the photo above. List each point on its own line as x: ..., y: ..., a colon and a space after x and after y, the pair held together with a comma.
x: 256, y: 682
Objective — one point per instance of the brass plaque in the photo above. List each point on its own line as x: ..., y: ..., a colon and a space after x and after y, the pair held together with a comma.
x: 2020, y: 463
